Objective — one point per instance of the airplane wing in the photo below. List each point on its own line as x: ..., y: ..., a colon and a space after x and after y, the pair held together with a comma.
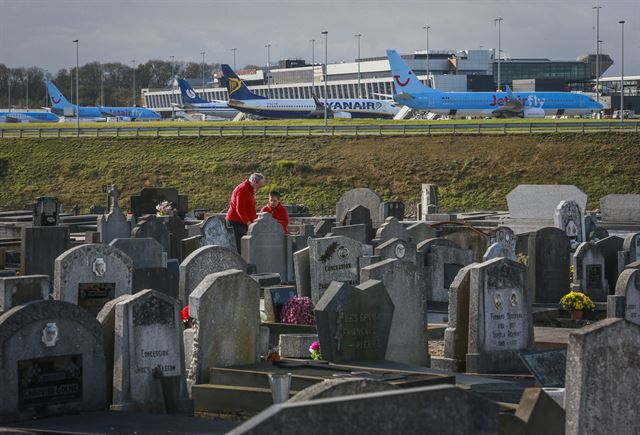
x: 389, y: 96
x: 403, y: 96
x: 106, y: 113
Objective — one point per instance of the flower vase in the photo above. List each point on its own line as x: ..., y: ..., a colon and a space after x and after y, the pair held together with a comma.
x: 576, y: 315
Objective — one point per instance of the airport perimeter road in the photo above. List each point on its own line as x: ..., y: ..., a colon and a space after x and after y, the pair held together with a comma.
x: 332, y: 130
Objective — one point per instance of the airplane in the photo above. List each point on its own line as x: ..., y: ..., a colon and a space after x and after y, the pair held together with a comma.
x: 409, y: 91
x: 26, y: 116
x: 192, y: 101
x: 62, y: 107
x: 241, y: 98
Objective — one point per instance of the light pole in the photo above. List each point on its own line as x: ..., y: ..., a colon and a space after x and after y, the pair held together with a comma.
x: 622, y: 75
x: 133, y: 67
x: 268, y: 47
x: 101, y: 85
x: 597, y: 8
x: 203, y: 53
x: 234, y: 57
x: 499, y: 21
x: 359, y: 35
x: 173, y: 97
x: 9, y: 88
x: 326, y: 51
x: 26, y: 82
x: 77, y: 42
x: 426, y: 28
x: 313, y: 66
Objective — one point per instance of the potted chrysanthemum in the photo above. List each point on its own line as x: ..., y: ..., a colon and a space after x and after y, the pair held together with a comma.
x: 577, y: 303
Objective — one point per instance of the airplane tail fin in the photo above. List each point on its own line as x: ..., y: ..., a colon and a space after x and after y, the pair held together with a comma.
x: 189, y: 95
x: 236, y: 87
x: 404, y: 80
x: 58, y: 101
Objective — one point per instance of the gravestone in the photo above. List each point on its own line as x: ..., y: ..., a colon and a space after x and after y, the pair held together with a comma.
x: 390, y: 229
x: 341, y: 387
x: 602, y: 376
x: 408, y: 295
x: 46, y: 212
x: 625, y: 303
x: 149, y: 197
x: 402, y: 250
x: 549, y: 261
x: 18, y: 290
x: 503, y: 244
x: 265, y: 246
x: 215, y: 232
x: 156, y: 278
x: 429, y: 201
x: 113, y: 225
x: 91, y: 275
x: 589, y: 272
x: 323, y: 227
x: 393, y: 209
x: 456, y: 335
x: 620, y: 208
x: 630, y: 251
x: 300, y: 235
x: 360, y: 215
x: 144, y: 252
x: 275, y: 298
x: 189, y: 245
x: 151, y: 226
x: 52, y: 361
x: 364, y: 197
x: 421, y: 231
x: 609, y: 247
x: 302, y: 271
x: 539, y: 201
x: 353, y: 323
x: 537, y: 413
x: 40, y: 247
x: 332, y: 259
x: 569, y: 218
x: 205, y: 261
x: 547, y: 366
x: 442, y: 261
x: 355, y: 232
x: 225, y: 307
x: 500, y: 318
x: 177, y: 233
x: 148, y: 369
x: 466, y: 238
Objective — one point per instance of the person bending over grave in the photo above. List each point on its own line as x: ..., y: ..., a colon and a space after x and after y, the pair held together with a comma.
x: 277, y: 210
x: 242, y: 206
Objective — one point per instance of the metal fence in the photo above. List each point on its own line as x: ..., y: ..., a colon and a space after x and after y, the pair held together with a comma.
x: 331, y: 130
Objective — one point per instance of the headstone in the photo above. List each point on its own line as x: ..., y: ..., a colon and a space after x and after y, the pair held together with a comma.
x: 432, y: 410
x: 421, y: 231
x: 275, y: 298
x: 177, y: 233
x: 332, y: 259
x: 323, y: 227
x: 300, y: 235
x: 539, y: 201
x: 408, y: 294
x: 295, y: 345
x: 503, y: 241
x: 442, y: 261
x: 568, y: 217
x: 549, y: 261
x: 620, y: 208
x: 547, y: 366
x: 402, y: 250
x: 91, y: 275
x: 156, y: 278
x: 341, y: 387
x: 632, y: 244
x: 52, y: 361
x: 190, y: 244
x: 215, y: 232
x: 302, y: 271
x: 353, y: 323
x: 625, y: 303
x: 148, y: 373
x: 390, y: 229
x: 205, y: 261
x: 225, y: 307
x: 393, y: 209
x: 46, y: 212
x: 429, y: 201
x: 364, y: 197
x: 144, y: 252
x: 150, y: 197
x: 265, y: 246
x: 589, y: 272
x: 609, y: 247
x: 113, y: 225
x: 19, y: 290
x: 466, y: 238
x: 355, y: 232
x: 539, y: 414
x: 40, y: 247
x: 500, y: 318
x: 602, y: 375
x: 360, y: 215
x: 151, y: 226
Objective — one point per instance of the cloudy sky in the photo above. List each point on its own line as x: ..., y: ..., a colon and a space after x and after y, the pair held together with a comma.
x: 39, y: 32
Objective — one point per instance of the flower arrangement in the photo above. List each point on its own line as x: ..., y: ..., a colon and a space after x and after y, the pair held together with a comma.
x: 522, y: 259
x: 298, y: 311
x: 577, y: 301
x: 314, y: 350
x: 164, y: 208
x: 184, y: 315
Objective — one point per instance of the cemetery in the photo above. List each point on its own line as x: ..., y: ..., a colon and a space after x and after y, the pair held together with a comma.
x: 368, y: 319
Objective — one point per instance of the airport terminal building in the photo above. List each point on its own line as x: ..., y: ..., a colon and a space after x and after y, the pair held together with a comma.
x: 465, y: 70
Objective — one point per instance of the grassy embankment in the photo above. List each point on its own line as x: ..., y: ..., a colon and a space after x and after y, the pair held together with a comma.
x: 474, y: 172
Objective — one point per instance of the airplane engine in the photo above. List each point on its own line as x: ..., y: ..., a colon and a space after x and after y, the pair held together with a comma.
x: 533, y: 112
x: 344, y: 115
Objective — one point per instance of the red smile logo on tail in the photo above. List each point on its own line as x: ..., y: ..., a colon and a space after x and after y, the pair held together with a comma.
x: 402, y: 84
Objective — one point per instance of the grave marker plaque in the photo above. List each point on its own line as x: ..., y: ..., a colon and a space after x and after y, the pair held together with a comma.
x: 547, y: 366
x: 49, y: 381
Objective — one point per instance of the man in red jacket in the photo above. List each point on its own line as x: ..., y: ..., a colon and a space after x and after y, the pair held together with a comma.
x: 242, y: 206
x: 277, y: 210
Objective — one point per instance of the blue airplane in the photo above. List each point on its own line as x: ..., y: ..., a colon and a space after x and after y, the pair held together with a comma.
x: 409, y: 91
x: 191, y: 101
x: 26, y: 116
x: 241, y: 98
x: 61, y: 106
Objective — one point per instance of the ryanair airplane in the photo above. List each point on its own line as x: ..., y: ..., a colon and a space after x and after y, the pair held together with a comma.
x: 191, y: 101
x: 241, y: 98
x: 409, y: 91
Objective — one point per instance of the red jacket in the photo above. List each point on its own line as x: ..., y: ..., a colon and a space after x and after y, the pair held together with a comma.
x: 242, y: 206
x: 280, y: 214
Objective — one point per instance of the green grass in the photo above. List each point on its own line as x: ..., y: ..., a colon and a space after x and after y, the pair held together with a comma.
x: 474, y: 172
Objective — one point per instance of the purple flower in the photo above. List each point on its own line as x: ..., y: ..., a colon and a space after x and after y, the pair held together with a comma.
x: 298, y: 311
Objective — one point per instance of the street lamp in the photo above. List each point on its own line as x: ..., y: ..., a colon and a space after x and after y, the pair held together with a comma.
x: 133, y: 67
x: 359, y: 35
x: 173, y: 97
x: 9, y: 88
x: 326, y: 37
x: 597, y: 8
x: 203, y: 53
x: 313, y: 66
x: 76, y: 41
x: 499, y: 21
x: 622, y: 75
x: 26, y: 82
x: 101, y: 85
x: 426, y: 28
x: 234, y: 57
x: 268, y: 47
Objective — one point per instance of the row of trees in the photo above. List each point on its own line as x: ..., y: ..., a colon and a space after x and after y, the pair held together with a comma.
x: 25, y: 87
